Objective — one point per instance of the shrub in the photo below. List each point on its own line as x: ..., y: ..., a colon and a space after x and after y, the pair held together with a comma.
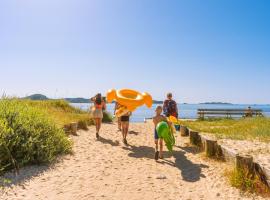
x: 107, y: 117
x: 241, y: 179
x: 84, y: 123
x: 28, y: 135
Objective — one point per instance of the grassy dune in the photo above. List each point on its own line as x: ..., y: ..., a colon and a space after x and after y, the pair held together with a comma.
x: 61, y: 112
x: 31, y: 132
x: 246, y: 128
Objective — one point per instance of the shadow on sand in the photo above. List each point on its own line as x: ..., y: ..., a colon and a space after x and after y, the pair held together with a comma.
x: 191, y: 172
x: 25, y: 174
x: 108, y: 141
x: 133, y: 132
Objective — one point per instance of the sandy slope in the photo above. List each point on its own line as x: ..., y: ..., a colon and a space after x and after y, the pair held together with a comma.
x: 106, y: 169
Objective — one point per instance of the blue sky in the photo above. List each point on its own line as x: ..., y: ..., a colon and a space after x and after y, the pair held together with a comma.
x: 201, y: 50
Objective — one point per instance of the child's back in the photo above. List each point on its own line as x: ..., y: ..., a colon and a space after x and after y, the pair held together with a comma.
x: 158, y: 118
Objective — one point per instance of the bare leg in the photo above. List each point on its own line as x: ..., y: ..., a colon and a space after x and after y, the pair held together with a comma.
x: 126, y: 131
x: 119, y: 124
x: 161, y: 148
x: 99, y: 124
x: 156, y: 153
x: 156, y: 142
x: 96, y: 124
x: 123, y: 129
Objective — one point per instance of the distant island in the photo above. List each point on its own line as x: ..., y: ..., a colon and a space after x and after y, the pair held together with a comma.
x: 36, y: 97
x: 41, y: 97
x: 219, y: 103
x: 157, y: 102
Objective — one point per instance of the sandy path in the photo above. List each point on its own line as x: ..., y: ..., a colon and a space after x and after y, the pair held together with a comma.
x: 106, y: 169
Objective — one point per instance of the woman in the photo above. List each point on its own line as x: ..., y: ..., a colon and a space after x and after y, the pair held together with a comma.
x: 97, y: 112
x: 125, y: 126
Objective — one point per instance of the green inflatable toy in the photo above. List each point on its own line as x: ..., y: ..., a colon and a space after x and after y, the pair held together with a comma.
x: 164, y: 132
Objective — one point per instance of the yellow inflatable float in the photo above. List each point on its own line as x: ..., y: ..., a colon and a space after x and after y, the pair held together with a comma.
x: 129, y: 100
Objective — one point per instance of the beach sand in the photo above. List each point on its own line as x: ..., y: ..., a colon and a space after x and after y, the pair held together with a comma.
x: 107, y: 169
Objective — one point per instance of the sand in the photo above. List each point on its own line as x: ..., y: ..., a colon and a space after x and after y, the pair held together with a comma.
x: 107, y: 169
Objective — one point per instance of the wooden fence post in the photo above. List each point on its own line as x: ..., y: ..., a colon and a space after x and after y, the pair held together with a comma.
x: 210, y: 147
x: 194, y: 138
x: 184, y: 131
x: 245, y: 163
x: 74, y: 127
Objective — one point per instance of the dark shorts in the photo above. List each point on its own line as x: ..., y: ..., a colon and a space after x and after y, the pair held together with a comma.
x: 156, y: 135
x: 124, y: 119
x: 177, y: 127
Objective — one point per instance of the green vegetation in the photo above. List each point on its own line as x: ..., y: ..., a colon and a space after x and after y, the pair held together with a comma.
x: 28, y: 135
x: 62, y: 112
x: 242, y: 180
x: 31, y: 132
x: 245, y: 128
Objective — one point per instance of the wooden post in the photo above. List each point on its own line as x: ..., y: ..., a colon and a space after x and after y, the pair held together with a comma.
x: 245, y: 163
x: 194, y: 138
x: 210, y: 147
x: 219, y: 152
x: 74, y: 127
x: 184, y: 131
x: 67, y: 128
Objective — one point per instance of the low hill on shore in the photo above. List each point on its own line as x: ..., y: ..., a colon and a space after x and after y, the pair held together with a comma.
x: 71, y: 100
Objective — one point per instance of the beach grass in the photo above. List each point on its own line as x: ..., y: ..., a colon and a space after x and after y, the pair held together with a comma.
x: 246, y: 182
x: 31, y: 132
x: 257, y: 128
x: 28, y: 135
x: 63, y: 113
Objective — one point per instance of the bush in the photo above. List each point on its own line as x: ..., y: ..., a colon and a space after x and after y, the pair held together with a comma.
x: 107, y: 117
x: 84, y: 123
x: 242, y: 180
x: 28, y: 135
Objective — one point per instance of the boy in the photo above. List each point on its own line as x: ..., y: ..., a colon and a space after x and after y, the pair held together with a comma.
x: 156, y: 119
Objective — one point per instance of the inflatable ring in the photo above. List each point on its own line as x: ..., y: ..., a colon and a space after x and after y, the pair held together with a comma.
x: 164, y: 132
x: 122, y: 110
x: 131, y: 99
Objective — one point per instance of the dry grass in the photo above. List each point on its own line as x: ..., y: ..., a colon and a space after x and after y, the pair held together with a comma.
x: 246, y: 183
x: 243, y: 129
x: 61, y: 112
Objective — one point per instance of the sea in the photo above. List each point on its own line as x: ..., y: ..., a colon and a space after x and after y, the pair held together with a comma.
x: 186, y: 111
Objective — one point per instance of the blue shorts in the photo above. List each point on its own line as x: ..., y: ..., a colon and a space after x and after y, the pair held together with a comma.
x: 156, y: 135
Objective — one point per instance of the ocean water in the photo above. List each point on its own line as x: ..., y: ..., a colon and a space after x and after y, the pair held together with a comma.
x: 186, y: 111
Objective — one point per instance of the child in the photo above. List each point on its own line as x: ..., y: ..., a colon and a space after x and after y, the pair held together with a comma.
x: 156, y: 119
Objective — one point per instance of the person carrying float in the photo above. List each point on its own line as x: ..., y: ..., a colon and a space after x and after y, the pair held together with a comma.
x: 127, y: 102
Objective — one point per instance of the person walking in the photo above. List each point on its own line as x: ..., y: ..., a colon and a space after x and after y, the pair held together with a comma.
x: 97, y: 111
x: 170, y: 106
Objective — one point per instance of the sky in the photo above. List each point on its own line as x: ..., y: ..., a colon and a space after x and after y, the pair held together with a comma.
x: 201, y: 50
